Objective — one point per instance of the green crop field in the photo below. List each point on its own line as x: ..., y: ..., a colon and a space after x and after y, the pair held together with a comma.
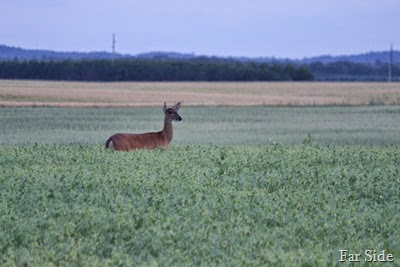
x: 240, y: 186
x: 197, y: 204
x: 363, y: 125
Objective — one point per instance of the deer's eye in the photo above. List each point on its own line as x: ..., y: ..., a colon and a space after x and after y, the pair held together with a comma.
x: 169, y: 111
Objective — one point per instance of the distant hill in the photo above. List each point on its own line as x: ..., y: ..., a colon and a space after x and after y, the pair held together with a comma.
x: 11, y: 53
x: 170, y: 55
x: 365, y: 58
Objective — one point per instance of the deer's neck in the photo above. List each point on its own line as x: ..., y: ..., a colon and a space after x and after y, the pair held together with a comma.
x: 167, y: 131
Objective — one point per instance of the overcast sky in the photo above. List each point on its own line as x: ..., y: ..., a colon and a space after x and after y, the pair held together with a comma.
x: 280, y: 28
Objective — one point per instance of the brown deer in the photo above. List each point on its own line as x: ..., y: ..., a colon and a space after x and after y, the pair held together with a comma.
x: 161, y: 139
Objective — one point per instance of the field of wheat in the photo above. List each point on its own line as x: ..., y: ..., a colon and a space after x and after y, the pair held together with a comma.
x: 137, y: 94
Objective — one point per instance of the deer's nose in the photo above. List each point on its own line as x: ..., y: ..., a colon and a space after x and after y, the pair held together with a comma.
x: 179, y: 118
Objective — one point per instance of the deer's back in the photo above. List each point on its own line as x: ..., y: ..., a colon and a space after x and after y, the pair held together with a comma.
x: 125, y: 141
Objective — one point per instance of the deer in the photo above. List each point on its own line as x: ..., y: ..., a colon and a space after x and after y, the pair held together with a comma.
x: 151, y: 140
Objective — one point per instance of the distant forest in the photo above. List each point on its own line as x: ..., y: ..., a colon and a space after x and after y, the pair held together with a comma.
x: 19, y: 63
x: 153, y: 70
x: 348, y: 71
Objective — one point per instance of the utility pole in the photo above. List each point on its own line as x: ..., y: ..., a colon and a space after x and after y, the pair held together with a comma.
x: 390, y: 63
x: 113, y: 47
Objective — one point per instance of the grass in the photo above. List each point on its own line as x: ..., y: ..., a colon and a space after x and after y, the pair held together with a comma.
x: 368, y: 125
x: 80, y: 205
x: 285, y: 186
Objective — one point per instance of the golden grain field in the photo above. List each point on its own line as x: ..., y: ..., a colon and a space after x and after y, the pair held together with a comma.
x: 135, y: 94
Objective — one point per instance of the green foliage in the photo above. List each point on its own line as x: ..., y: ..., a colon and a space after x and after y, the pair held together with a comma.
x: 80, y: 205
x: 153, y: 70
x: 309, y: 140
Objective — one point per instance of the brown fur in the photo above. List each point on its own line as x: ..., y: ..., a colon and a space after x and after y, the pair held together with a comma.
x: 161, y: 139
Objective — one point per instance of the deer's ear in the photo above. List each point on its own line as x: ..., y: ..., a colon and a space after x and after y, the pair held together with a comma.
x: 164, y: 107
x: 177, y: 106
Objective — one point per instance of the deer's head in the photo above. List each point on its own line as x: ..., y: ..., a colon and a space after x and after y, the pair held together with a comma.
x: 172, y: 113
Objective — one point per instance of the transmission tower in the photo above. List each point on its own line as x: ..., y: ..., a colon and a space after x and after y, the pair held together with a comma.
x: 113, y: 46
x: 390, y: 63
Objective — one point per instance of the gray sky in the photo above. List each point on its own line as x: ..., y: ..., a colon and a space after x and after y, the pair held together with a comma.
x: 279, y: 28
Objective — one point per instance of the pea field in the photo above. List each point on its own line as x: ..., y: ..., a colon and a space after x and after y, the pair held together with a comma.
x: 239, y: 186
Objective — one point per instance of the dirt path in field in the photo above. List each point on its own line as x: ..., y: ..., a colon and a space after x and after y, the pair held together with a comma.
x: 75, y: 94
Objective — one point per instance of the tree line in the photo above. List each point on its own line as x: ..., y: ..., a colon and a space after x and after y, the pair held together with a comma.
x: 349, y: 71
x: 153, y: 70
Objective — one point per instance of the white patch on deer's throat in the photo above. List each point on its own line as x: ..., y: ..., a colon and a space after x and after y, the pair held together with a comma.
x: 111, y: 145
